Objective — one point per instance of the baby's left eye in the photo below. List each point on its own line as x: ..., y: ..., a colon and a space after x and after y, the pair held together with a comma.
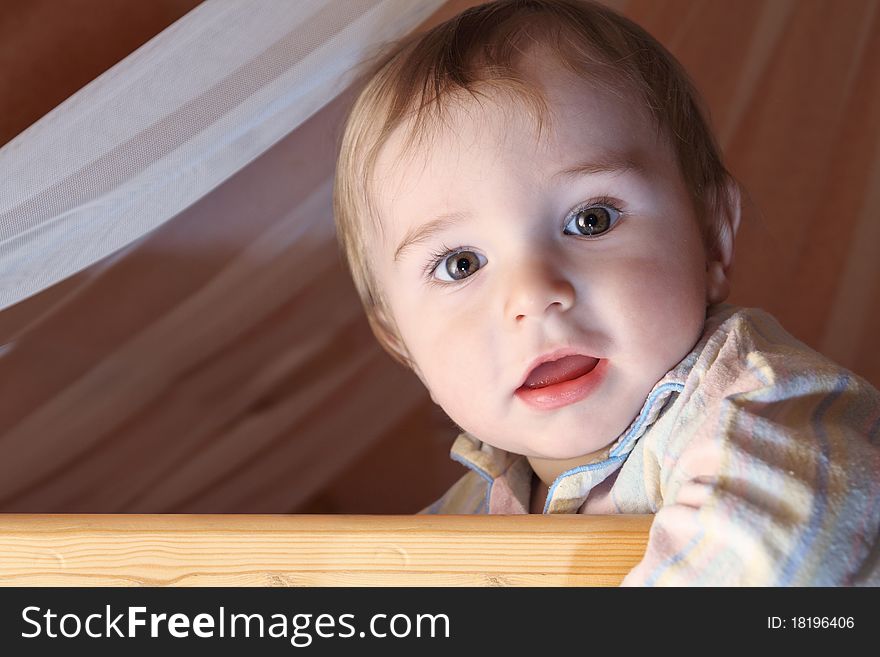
x: 592, y: 220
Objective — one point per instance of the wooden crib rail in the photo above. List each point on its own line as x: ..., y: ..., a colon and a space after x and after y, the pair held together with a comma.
x: 318, y: 550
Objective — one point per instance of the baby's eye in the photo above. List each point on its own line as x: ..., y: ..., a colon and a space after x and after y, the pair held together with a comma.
x: 455, y: 266
x: 592, y: 220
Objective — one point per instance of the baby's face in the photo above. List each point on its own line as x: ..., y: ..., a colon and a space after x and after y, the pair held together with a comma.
x: 608, y: 262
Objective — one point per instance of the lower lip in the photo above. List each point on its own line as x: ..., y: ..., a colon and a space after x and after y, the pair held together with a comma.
x: 565, y: 393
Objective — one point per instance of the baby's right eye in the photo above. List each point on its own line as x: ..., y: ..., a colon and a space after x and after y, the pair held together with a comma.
x: 456, y: 265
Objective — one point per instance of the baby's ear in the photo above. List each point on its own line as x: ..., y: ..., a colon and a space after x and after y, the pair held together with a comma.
x: 719, y: 263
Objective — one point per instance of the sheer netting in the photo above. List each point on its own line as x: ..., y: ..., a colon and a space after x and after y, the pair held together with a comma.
x: 170, y: 122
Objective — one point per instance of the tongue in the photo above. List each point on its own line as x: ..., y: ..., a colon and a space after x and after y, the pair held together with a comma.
x: 564, y: 369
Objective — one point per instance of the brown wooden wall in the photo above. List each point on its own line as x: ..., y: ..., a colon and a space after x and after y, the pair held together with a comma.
x: 104, y: 409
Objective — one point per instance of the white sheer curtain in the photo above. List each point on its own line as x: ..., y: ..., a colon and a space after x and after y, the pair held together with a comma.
x: 173, y: 120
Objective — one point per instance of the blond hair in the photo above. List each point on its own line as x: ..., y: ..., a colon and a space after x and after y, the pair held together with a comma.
x: 411, y: 79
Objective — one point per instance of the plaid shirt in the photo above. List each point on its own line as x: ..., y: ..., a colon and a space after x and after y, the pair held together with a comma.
x: 759, y: 457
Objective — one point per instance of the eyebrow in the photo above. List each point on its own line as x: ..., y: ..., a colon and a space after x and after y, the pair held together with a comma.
x: 427, y: 230
x: 613, y: 164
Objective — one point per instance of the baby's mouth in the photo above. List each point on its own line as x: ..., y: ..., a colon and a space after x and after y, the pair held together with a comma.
x: 557, y: 371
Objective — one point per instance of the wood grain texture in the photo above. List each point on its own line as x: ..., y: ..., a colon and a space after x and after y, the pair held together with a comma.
x: 304, y: 550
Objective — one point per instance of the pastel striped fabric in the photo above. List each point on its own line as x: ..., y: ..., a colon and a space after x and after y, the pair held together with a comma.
x: 759, y: 456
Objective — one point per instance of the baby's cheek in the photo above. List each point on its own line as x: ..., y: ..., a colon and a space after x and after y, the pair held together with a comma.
x: 656, y: 312
x: 460, y: 381
x: 677, y: 328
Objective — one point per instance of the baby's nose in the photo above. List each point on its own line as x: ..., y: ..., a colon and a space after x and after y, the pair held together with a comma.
x: 537, y: 287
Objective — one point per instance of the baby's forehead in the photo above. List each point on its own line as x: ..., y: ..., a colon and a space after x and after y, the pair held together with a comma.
x: 464, y: 129
x: 575, y: 119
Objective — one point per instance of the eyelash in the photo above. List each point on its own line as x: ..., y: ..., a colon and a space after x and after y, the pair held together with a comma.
x: 444, y: 251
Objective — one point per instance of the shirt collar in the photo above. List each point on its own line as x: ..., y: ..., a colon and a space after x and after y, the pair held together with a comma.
x: 509, y: 475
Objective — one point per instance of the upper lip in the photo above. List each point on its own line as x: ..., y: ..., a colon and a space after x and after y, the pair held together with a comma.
x: 555, y: 354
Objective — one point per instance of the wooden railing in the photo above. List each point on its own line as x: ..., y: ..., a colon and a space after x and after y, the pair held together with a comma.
x: 318, y: 550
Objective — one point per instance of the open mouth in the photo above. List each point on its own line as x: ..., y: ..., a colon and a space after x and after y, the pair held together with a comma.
x: 567, y: 380
x: 558, y: 371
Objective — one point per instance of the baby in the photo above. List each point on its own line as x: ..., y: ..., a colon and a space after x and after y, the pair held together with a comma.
x: 539, y: 225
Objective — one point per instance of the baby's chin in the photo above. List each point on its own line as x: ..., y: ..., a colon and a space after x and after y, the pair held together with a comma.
x: 583, y: 448
x: 581, y: 456
x: 567, y: 436
x: 559, y: 435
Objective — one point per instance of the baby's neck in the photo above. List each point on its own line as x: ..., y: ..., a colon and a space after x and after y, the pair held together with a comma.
x: 538, y: 496
x: 548, y: 470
